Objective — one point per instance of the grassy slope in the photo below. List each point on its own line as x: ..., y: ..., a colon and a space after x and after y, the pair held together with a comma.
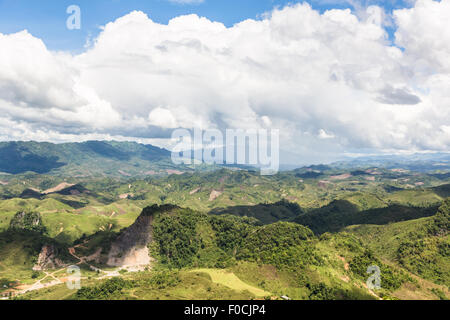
x: 189, y: 286
x: 330, y: 278
x: 67, y: 224
x: 230, y: 280
x: 409, y: 244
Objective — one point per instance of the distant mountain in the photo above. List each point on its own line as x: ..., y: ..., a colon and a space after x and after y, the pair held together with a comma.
x: 423, y: 162
x: 131, y: 159
x: 89, y: 158
x: 94, y: 159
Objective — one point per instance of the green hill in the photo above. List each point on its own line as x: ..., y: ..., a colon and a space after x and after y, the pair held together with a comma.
x: 309, y: 233
x: 420, y: 246
x: 341, y: 213
x: 266, y: 213
x: 200, y: 256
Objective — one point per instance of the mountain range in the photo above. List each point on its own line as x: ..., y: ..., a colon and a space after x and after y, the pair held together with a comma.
x: 83, y: 159
x: 131, y: 159
x: 139, y: 227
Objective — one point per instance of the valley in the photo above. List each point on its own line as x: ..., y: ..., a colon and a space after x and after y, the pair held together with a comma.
x: 226, y: 233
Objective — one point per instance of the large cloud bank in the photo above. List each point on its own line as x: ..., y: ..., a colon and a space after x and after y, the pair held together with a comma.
x: 330, y: 82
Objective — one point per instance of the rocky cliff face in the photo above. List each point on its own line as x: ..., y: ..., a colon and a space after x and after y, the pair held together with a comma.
x: 131, y: 246
x: 48, y: 259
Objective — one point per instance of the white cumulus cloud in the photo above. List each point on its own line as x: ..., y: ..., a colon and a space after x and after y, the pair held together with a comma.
x: 331, y: 82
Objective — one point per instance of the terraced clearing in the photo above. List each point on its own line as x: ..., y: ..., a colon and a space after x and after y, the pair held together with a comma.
x: 230, y: 280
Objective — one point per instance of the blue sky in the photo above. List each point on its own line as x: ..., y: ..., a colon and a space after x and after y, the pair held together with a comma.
x: 46, y: 19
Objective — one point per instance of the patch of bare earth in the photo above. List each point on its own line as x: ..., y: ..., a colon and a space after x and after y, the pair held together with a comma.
x: 341, y: 176
x: 346, y: 265
x: 126, y: 195
x: 135, y: 257
x: 194, y: 191
x: 373, y: 171
x: 59, y: 187
x: 124, y: 173
x: 214, y: 195
x: 323, y: 183
x: 174, y: 172
x: 399, y: 170
x: 371, y: 292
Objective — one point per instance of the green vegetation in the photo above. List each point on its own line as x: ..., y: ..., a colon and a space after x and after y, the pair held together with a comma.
x: 309, y: 233
x: 426, y: 251
x: 266, y: 213
x: 20, y: 157
x: 390, y: 280
x: 229, y: 279
x: 110, y: 289
x: 19, y: 251
x: 420, y: 246
x: 27, y: 221
x: 341, y: 213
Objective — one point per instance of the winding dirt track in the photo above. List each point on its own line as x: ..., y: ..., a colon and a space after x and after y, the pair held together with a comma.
x: 39, y: 285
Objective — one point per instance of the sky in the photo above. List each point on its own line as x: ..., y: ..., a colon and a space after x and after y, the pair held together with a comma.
x: 336, y: 77
x: 46, y: 19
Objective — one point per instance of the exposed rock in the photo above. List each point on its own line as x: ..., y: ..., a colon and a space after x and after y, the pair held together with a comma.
x: 130, y: 247
x: 48, y: 259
